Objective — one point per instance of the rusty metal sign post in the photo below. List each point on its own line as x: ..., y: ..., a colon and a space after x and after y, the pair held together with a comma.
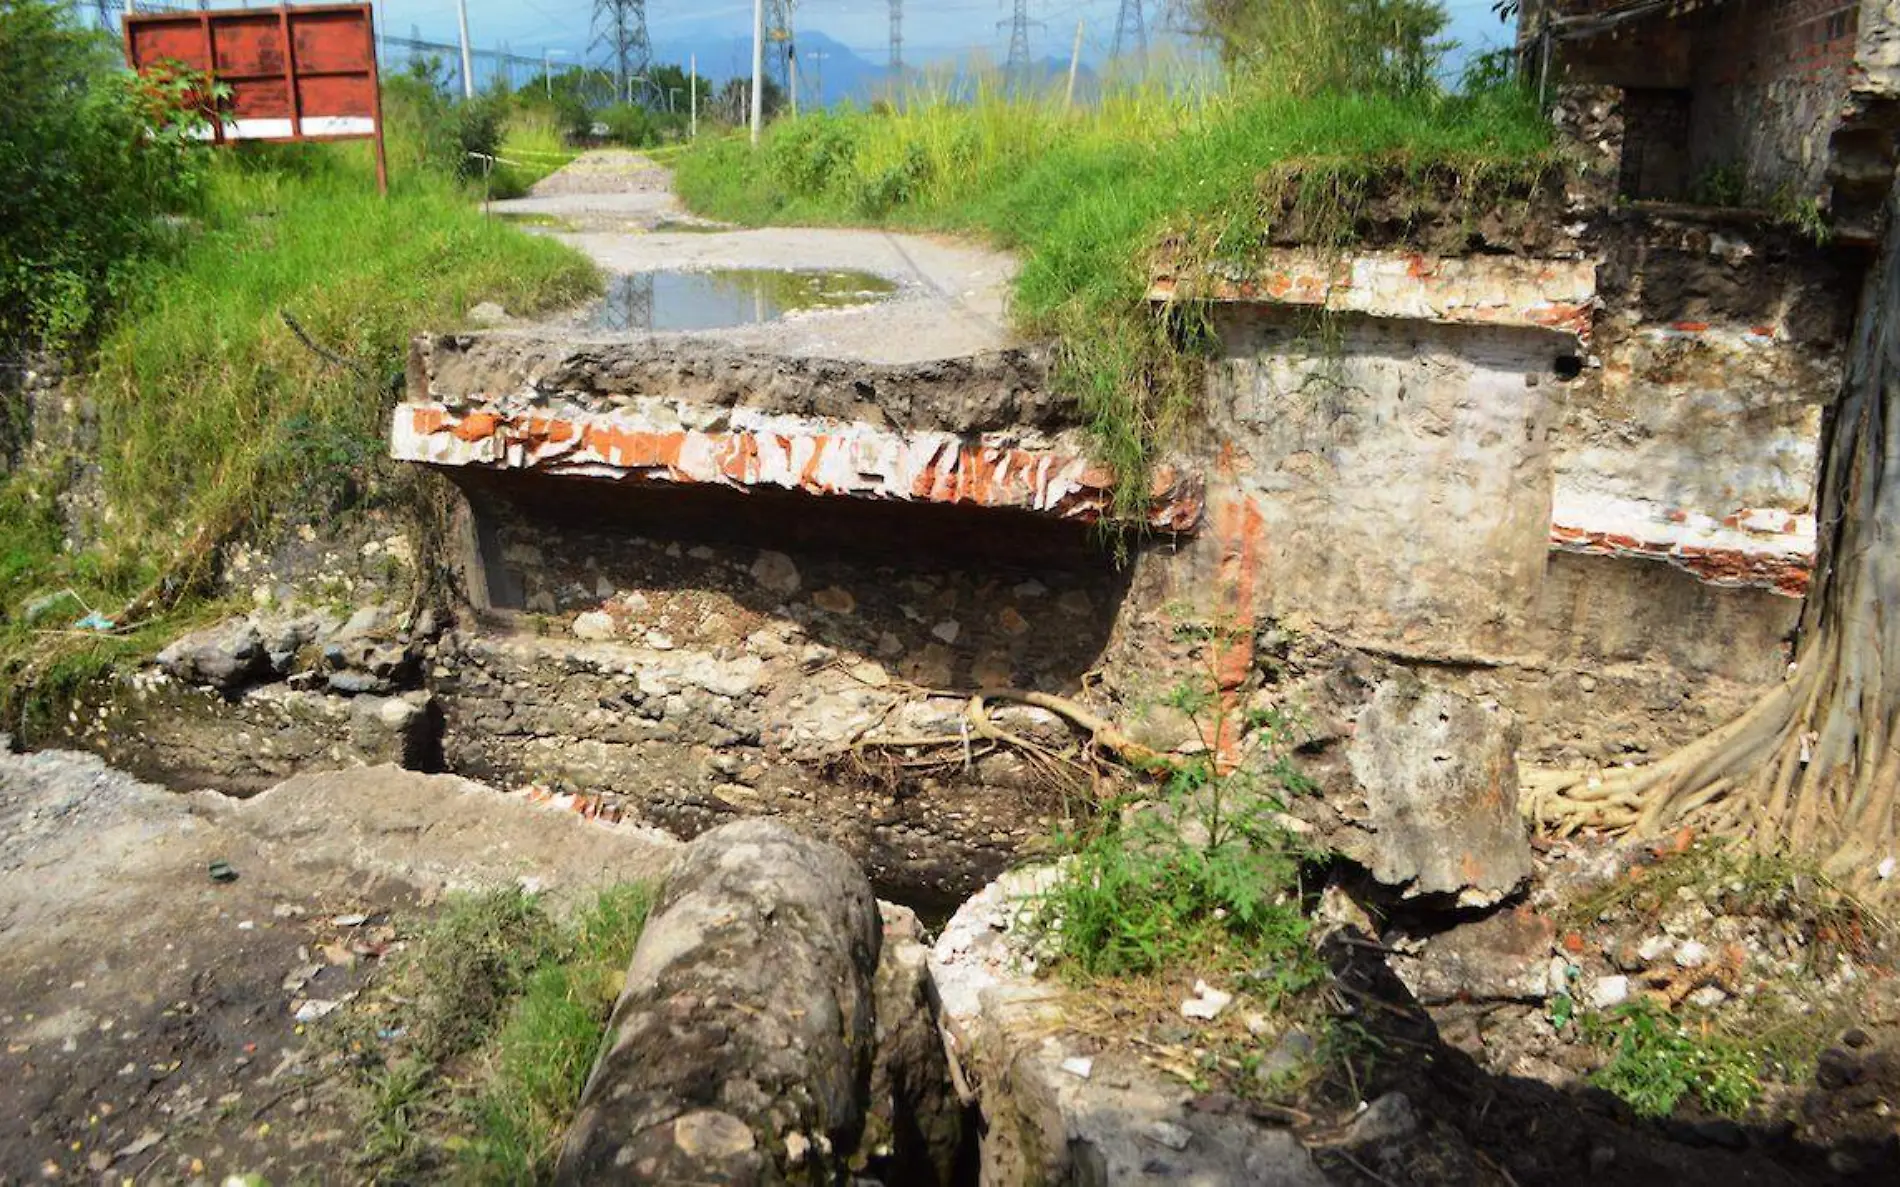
x: 292, y: 74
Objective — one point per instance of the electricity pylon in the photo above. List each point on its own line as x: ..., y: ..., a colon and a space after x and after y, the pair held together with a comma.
x: 1131, y: 29
x: 620, y: 27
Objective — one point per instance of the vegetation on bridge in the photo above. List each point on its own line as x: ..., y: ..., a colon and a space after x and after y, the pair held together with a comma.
x: 1090, y: 194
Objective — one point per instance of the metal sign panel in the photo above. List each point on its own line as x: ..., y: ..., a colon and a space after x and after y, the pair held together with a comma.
x: 292, y: 73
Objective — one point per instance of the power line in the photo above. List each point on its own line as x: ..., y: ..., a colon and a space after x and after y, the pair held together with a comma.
x: 1130, y: 28
x: 620, y: 26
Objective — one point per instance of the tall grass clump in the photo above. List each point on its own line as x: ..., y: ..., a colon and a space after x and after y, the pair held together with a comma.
x: 1172, y: 166
x: 210, y: 407
x: 478, y: 1048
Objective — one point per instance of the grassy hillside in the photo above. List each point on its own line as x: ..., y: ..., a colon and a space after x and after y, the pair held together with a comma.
x: 212, y: 416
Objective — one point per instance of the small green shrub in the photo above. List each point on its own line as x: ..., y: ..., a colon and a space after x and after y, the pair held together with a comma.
x: 93, y: 158
x: 1203, y: 878
x: 630, y: 125
x: 1655, y: 1062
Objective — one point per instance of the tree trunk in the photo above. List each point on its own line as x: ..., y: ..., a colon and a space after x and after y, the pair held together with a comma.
x: 1815, y: 764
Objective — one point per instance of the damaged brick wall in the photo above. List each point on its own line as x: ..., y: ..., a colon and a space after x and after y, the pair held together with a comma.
x: 1755, y: 87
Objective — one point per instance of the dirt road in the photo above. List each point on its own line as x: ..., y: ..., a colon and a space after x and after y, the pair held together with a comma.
x: 149, y: 1010
x: 620, y: 208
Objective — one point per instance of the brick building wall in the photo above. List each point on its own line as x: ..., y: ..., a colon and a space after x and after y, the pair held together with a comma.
x: 1762, y: 81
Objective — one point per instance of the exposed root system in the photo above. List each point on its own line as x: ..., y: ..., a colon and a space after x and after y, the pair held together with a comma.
x: 1815, y: 764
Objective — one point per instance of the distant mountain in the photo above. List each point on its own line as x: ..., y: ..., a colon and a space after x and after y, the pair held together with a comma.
x: 822, y: 60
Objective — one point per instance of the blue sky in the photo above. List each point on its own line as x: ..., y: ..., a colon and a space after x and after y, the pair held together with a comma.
x: 932, y: 30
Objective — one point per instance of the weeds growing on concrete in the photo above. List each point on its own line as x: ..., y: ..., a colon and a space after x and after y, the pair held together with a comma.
x: 500, y: 1011
x: 1092, y: 197
x: 1201, y: 878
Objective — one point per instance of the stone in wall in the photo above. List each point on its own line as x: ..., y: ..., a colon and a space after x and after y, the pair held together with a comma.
x: 689, y: 681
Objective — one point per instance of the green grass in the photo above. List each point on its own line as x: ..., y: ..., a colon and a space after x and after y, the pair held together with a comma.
x: 213, y: 419
x: 532, y: 142
x: 540, y: 1060
x: 1092, y: 197
x: 502, y: 1009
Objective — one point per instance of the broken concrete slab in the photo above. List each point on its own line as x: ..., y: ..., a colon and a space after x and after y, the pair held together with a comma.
x: 742, y: 1046
x: 646, y: 444
x: 1437, y: 814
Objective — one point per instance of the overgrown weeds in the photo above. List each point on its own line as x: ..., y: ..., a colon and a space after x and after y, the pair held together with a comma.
x: 1656, y: 1061
x: 213, y: 419
x: 495, y: 1021
x: 1201, y: 877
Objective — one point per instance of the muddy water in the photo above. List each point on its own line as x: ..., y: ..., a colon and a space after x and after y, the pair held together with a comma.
x: 648, y: 302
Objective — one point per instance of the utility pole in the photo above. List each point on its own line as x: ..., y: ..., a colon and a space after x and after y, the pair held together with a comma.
x: 1075, y: 63
x: 897, y: 40
x: 620, y: 26
x: 778, y: 31
x: 1131, y: 29
x: 692, y: 128
x: 468, y: 61
x: 817, y: 59
x: 1016, y: 70
x: 758, y: 68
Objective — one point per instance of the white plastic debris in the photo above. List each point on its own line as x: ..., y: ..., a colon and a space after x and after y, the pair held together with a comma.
x: 1609, y: 992
x: 1692, y: 955
x: 314, y: 1009
x: 1207, y: 1002
x: 1078, y: 1066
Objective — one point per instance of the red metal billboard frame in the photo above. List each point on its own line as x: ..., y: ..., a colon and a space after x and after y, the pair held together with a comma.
x: 292, y: 74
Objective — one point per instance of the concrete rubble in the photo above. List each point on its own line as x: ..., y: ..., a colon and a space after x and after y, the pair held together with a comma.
x: 749, y: 1036
x: 1439, y: 816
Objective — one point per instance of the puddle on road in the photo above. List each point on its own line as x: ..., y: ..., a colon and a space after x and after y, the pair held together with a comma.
x: 551, y: 222
x: 674, y: 226
x: 647, y: 302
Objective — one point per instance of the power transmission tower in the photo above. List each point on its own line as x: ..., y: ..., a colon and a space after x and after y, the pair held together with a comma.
x: 1130, y: 28
x: 1016, y: 69
x: 780, y: 49
x: 897, y: 39
x: 620, y: 27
